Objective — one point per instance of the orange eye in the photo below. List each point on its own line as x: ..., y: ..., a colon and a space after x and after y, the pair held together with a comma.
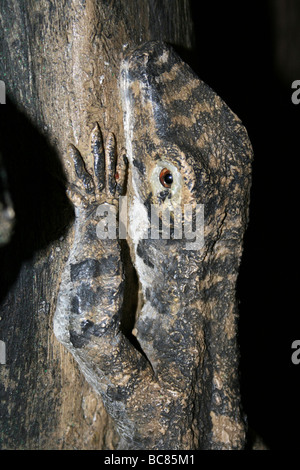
x: 166, y: 178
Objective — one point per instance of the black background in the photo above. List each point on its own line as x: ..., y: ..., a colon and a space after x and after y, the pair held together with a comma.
x: 237, y: 55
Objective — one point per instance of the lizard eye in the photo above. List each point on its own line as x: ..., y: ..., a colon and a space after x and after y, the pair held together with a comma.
x: 166, y: 178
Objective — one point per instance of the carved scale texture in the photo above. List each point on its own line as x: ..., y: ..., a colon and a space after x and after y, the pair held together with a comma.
x: 183, y: 392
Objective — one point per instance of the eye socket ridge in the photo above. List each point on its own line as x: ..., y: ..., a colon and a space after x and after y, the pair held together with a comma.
x: 166, y: 178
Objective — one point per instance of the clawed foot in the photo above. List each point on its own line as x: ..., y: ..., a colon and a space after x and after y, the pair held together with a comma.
x: 104, y: 181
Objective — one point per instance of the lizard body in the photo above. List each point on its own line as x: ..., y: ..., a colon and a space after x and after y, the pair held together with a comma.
x: 185, y: 147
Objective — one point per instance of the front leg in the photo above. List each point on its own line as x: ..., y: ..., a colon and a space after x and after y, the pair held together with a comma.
x: 95, y: 268
x: 87, y: 319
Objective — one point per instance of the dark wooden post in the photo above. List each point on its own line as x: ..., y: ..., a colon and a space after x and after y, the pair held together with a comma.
x: 60, y: 63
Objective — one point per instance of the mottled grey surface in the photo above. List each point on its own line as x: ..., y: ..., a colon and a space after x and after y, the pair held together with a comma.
x: 183, y: 391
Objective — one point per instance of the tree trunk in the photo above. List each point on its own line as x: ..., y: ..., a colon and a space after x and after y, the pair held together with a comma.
x: 60, y: 63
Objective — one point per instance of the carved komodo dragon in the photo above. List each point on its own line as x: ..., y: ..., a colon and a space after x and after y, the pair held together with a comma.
x: 180, y: 389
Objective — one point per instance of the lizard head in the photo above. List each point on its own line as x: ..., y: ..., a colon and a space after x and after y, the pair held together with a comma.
x: 185, y: 147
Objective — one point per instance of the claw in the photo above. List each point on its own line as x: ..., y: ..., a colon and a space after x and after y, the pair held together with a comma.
x: 99, y: 158
x: 83, y: 176
x: 110, y: 162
